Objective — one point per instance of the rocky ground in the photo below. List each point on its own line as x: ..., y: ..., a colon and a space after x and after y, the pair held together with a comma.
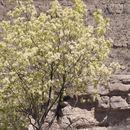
x: 112, y: 110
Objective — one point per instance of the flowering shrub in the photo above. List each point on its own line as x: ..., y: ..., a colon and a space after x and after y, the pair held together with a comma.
x: 46, y: 57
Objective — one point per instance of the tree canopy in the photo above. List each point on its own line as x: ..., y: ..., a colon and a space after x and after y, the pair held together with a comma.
x: 45, y: 57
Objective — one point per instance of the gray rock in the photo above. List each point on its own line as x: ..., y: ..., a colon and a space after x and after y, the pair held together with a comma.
x: 120, y: 87
x: 117, y: 1
x: 128, y: 99
x: 117, y: 102
x: 120, y: 127
x: 127, y: 8
x: 115, y: 8
x: 100, y: 90
x: 125, y: 79
x: 103, y: 103
x: 97, y: 128
x: 122, y: 67
x: 78, y: 118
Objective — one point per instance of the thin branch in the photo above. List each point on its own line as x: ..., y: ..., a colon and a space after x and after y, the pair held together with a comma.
x: 49, y: 98
x: 51, y: 105
x: 32, y: 123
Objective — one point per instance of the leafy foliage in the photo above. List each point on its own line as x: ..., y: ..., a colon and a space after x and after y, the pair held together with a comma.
x: 45, y: 57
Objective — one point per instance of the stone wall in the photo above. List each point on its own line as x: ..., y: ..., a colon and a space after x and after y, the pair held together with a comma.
x: 113, y: 107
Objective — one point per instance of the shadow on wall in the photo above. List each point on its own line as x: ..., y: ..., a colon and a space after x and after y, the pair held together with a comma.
x: 106, y: 117
x: 76, y: 102
x: 112, y: 118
